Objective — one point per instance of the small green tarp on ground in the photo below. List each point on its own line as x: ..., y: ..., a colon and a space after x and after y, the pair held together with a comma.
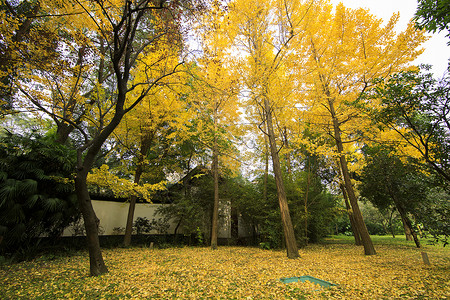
x: 308, y: 278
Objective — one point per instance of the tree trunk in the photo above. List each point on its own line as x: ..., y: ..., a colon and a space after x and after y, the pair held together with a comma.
x: 234, y: 224
x: 215, y: 166
x: 145, y: 145
x: 308, y: 182
x: 359, y: 221
x: 129, y: 225
x: 291, y: 243
x: 91, y: 223
x: 383, y: 223
x: 84, y: 165
x: 288, y: 155
x: 409, y: 230
x: 406, y: 228
x: 418, y: 228
x: 355, y: 231
x: 131, y: 209
x: 392, y: 231
x: 63, y: 131
x: 266, y: 162
x: 391, y: 226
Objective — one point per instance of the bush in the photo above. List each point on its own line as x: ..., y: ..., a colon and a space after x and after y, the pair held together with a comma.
x: 36, y: 191
x: 142, y: 225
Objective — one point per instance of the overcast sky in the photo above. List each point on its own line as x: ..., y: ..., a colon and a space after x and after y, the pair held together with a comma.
x: 436, y: 52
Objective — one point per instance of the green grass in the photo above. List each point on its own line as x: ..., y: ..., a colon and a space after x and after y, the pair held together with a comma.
x: 399, y: 240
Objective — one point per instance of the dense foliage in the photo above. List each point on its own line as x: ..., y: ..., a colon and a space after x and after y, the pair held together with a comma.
x: 416, y: 106
x: 434, y: 214
x: 313, y: 212
x: 36, y: 190
x: 434, y: 15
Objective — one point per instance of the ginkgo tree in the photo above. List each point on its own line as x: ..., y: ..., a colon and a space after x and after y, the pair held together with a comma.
x: 267, y: 32
x: 148, y: 137
x: 132, y: 47
x: 216, y: 90
x: 25, y: 38
x: 343, y: 51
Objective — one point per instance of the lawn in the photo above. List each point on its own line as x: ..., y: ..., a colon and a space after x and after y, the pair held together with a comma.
x: 396, y: 272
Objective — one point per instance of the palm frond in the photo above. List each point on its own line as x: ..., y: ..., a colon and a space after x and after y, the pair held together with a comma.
x: 63, y: 188
x: 15, y: 214
x: 33, y: 199
x: 52, y: 204
x: 8, y: 191
x: 3, y: 230
x: 27, y: 187
x: 57, y: 217
x: 18, y: 231
x: 40, y: 174
x: 23, y: 169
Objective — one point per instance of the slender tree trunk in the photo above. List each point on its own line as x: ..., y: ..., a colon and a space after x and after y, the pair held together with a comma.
x: 406, y: 228
x: 392, y: 231
x: 84, y: 165
x: 266, y: 162
x: 215, y: 165
x: 308, y: 182
x: 355, y: 231
x: 91, y: 223
x: 131, y: 209
x: 129, y: 224
x: 62, y: 132
x: 418, y: 227
x: 145, y: 145
x: 353, y: 225
x: 178, y: 226
x: 288, y: 155
x: 383, y: 223
x: 234, y: 224
x: 359, y: 221
x: 409, y: 230
x: 391, y: 225
x: 291, y: 243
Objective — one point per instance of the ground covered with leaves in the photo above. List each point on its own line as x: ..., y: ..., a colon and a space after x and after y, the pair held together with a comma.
x: 396, y: 272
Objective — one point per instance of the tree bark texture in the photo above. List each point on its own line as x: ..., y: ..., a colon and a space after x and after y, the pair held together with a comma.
x: 266, y: 165
x: 355, y: 231
x: 215, y: 166
x: 359, y: 221
x: 91, y: 223
x: 288, y: 154
x: 145, y: 145
x: 408, y: 234
x: 308, y: 183
x: 409, y: 230
x: 84, y: 165
x: 234, y: 224
x: 291, y: 243
x: 391, y: 226
x: 131, y: 209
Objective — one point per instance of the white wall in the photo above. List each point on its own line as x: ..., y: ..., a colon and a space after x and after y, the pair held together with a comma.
x: 114, y: 214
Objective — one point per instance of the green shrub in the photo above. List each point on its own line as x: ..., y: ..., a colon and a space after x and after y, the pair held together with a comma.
x: 36, y: 191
